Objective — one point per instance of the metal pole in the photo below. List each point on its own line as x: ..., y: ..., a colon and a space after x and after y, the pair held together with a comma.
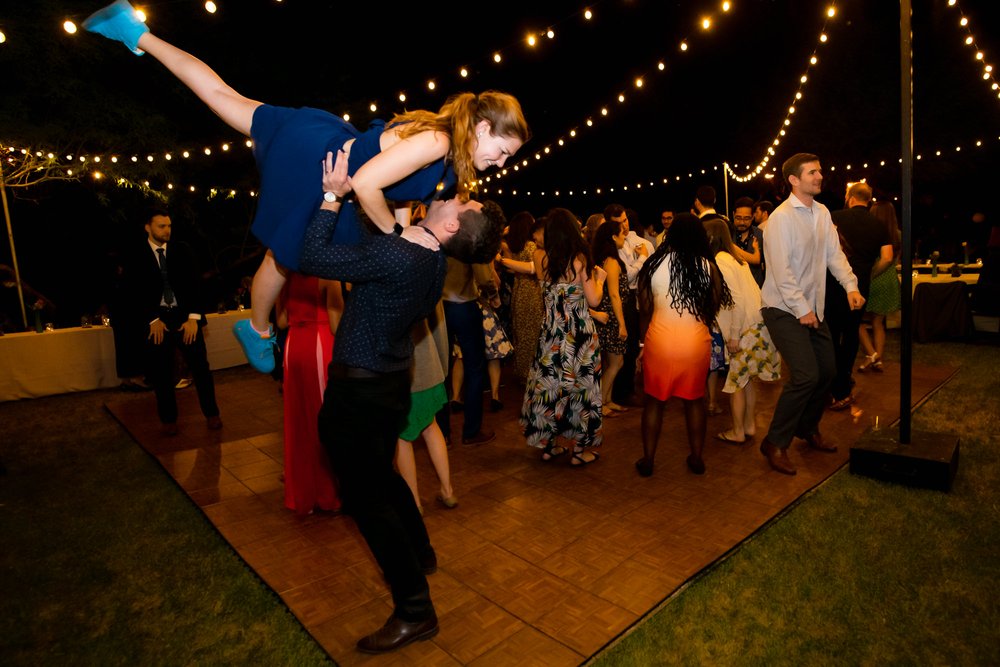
x: 725, y: 185
x: 13, y: 253
x: 906, y: 288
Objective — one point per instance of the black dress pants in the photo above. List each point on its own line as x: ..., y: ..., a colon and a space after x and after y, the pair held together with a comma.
x: 160, y: 368
x: 844, y: 324
x: 359, y: 424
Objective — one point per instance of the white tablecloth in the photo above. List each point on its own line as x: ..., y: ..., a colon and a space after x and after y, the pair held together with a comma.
x: 77, y: 359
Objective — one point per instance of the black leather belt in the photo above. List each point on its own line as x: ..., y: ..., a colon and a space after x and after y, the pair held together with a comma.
x: 343, y: 371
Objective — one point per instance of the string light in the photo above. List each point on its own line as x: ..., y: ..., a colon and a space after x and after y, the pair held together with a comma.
x: 776, y: 141
x: 587, y: 14
x: 980, y: 56
x: 639, y: 82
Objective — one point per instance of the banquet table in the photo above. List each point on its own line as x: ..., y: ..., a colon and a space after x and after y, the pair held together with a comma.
x: 83, y: 358
x: 892, y: 321
x: 943, y: 278
x: 945, y: 267
x: 941, y: 310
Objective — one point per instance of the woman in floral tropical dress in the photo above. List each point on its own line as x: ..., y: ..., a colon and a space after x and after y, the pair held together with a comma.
x: 563, y: 391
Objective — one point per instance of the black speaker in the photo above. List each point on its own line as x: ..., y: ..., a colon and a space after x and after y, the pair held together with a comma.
x: 929, y: 461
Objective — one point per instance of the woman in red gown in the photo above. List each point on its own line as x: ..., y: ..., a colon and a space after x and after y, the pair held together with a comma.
x: 310, y: 308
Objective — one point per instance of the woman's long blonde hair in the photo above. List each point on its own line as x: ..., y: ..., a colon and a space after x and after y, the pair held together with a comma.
x: 458, y: 119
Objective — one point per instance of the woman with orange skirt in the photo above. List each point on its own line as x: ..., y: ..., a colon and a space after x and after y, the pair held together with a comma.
x: 680, y: 293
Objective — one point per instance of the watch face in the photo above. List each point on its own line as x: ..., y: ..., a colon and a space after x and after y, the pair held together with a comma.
x: 330, y: 197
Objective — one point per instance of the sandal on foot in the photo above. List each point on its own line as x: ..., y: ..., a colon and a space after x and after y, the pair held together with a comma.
x: 843, y: 403
x: 552, y: 452
x: 869, y: 364
x: 726, y: 437
x: 713, y: 410
x: 449, y: 502
x: 580, y: 462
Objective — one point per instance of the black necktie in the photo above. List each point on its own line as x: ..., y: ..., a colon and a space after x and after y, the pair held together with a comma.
x: 168, y: 293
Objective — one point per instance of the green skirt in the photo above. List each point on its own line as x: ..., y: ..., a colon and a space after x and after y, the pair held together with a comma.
x: 424, y: 405
x: 883, y: 295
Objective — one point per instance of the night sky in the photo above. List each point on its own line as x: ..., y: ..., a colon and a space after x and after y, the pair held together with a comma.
x: 724, y: 99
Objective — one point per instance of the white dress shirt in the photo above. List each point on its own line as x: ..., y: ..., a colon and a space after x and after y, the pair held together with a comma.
x: 632, y: 259
x: 800, y: 244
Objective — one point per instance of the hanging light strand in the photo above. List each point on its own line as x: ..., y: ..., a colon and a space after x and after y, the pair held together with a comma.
x: 603, y: 112
x: 969, y: 40
x: 786, y: 122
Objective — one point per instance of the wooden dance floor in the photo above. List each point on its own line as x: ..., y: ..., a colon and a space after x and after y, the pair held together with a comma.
x: 541, y: 563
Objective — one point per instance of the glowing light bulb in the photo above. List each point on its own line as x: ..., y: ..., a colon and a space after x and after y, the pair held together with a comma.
x: 684, y: 46
x: 69, y: 27
x: 211, y: 7
x: 831, y: 12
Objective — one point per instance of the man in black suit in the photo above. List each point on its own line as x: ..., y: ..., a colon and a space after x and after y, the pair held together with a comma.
x: 164, y: 289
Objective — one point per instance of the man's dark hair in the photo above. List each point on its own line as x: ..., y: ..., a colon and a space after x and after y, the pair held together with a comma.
x: 613, y: 211
x: 477, y: 240
x: 148, y: 213
x: 633, y: 218
x: 793, y: 165
x: 743, y: 202
x: 519, y: 231
x: 764, y: 205
x: 706, y: 196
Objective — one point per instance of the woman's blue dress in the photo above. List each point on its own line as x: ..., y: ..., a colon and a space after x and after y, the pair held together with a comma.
x: 290, y: 146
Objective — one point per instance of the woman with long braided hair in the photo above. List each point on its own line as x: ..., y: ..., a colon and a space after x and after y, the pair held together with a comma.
x: 680, y: 293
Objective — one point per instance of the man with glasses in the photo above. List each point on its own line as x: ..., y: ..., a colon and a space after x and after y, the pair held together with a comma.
x: 749, y: 238
x: 666, y: 219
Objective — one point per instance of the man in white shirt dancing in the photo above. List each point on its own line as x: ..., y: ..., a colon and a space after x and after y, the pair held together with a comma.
x: 800, y: 244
